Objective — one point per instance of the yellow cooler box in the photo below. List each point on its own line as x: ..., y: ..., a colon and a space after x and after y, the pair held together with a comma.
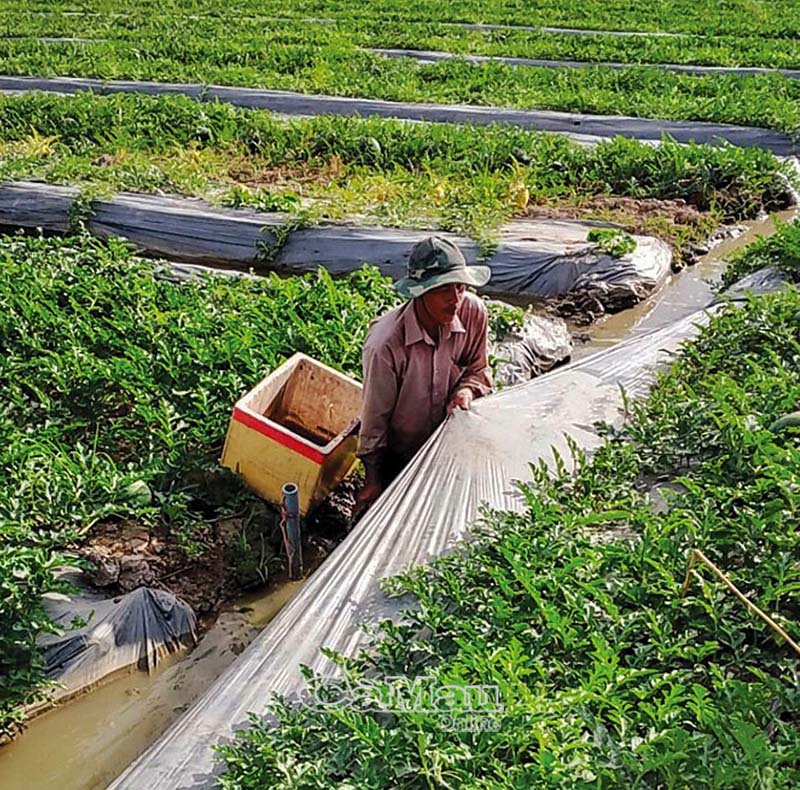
x: 299, y: 425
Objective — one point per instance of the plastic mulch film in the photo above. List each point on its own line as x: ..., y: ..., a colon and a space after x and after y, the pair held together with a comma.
x: 537, y: 258
x: 428, y: 56
x: 133, y: 630
x: 473, y: 458
x: 580, y: 126
x: 542, y: 259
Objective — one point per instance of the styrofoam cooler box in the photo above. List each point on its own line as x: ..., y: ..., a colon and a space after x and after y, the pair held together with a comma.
x: 300, y: 425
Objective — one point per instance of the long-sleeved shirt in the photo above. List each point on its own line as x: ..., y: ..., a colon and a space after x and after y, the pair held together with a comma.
x: 409, y: 378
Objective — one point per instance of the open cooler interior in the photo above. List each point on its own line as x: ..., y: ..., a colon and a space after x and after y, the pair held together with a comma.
x: 311, y: 401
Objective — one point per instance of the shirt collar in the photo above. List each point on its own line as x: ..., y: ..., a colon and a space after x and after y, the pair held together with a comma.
x: 414, y: 331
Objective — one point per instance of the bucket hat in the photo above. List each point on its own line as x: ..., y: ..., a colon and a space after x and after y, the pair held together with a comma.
x: 437, y: 261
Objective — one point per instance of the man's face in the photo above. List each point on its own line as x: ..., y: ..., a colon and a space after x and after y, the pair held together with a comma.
x: 442, y: 303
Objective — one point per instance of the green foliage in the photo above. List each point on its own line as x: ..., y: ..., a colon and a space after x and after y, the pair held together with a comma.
x: 261, y: 200
x: 329, y: 59
x: 173, y: 143
x: 766, y: 20
x: 118, y: 387
x: 743, y: 34
x: 504, y: 319
x: 573, y: 608
x: 780, y: 251
x: 114, y: 378
x: 612, y: 242
x: 26, y: 573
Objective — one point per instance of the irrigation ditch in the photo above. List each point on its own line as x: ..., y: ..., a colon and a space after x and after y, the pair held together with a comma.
x: 579, y: 126
x: 91, y: 738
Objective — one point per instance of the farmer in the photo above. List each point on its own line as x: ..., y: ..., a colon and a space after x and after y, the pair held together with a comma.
x: 421, y: 361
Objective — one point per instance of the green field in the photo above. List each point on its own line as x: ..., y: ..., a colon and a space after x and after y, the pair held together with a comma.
x: 119, y: 379
x: 746, y: 49
x: 610, y: 675
x: 233, y: 45
x: 765, y: 18
x: 770, y: 101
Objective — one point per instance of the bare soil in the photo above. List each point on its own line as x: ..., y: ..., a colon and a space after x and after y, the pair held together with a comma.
x: 250, y: 173
x: 680, y: 224
x: 237, y: 555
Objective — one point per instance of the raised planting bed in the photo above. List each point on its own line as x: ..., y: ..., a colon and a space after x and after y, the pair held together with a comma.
x: 467, y: 179
x: 703, y: 18
x: 251, y: 35
x: 428, y: 56
x: 580, y: 126
x: 536, y: 259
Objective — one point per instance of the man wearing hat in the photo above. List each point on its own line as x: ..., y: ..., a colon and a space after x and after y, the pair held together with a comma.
x: 421, y: 361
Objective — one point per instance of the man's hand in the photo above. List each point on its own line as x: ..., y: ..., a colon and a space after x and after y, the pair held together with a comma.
x: 370, y: 491
x: 366, y: 495
x: 461, y: 400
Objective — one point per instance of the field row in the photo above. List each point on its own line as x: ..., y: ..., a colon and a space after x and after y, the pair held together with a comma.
x: 467, y: 180
x: 296, y: 63
x: 767, y: 18
x: 255, y: 34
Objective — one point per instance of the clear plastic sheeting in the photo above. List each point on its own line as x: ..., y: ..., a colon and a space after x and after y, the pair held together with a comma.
x: 473, y: 458
x: 541, y: 344
x: 104, y: 635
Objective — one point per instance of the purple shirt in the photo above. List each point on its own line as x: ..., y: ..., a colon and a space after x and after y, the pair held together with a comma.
x: 409, y: 379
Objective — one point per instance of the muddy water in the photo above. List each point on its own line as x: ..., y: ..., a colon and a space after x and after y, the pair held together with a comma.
x: 679, y: 297
x: 85, y: 743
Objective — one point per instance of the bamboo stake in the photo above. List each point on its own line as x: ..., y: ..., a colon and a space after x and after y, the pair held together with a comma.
x: 695, y: 555
x: 688, y: 580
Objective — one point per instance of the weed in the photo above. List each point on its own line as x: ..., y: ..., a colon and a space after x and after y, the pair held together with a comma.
x: 612, y: 242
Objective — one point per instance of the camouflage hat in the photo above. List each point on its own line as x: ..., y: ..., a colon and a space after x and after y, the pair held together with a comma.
x: 436, y: 261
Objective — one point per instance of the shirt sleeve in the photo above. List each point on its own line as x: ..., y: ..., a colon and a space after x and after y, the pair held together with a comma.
x: 478, y: 375
x: 378, y: 400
